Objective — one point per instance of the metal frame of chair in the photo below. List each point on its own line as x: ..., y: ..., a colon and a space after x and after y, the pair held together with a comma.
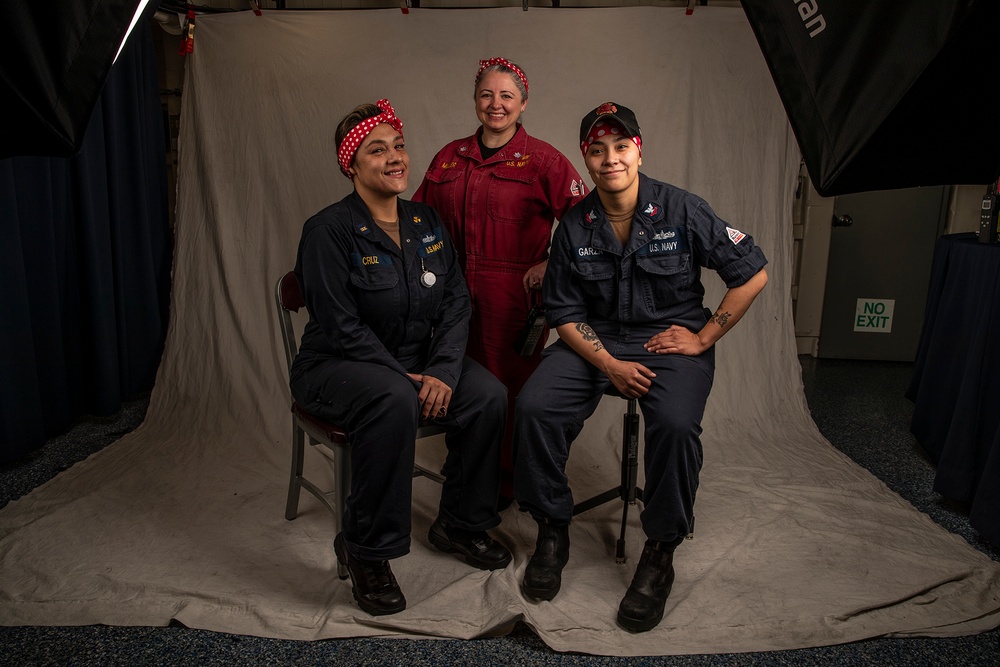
x: 329, y: 439
x: 627, y: 490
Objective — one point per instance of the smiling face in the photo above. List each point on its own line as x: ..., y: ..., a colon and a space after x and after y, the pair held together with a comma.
x: 381, y: 167
x: 613, y: 162
x: 499, y: 104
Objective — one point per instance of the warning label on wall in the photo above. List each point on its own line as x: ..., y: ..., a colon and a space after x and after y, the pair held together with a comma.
x: 874, y: 315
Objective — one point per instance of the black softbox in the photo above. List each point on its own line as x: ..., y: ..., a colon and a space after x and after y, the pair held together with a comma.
x: 54, y: 60
x: 883, y: 94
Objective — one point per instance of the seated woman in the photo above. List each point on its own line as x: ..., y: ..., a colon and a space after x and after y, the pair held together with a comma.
x: 623, y: 290
x: 385, y: 349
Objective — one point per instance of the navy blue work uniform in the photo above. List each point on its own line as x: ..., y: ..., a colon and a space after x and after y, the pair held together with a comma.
x: 627, y: 295
x: 371, y: 321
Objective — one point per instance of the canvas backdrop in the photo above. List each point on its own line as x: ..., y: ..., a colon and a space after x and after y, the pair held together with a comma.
x: 182, y: 520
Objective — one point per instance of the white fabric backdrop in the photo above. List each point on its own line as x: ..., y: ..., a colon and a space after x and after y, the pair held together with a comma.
x: 183, y: 519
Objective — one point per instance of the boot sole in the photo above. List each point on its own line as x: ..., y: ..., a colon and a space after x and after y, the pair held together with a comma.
x: 341, y: 551
x: 539, y: 594
x: 639, y: 625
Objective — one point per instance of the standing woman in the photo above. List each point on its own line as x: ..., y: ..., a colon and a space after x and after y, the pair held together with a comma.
x: 383, y: 350
x: 498, y: 193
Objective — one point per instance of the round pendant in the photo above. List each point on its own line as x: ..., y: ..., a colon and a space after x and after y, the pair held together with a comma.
x: 427, y: 279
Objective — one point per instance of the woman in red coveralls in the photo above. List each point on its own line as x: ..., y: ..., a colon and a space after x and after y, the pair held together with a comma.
x: 498, y: 193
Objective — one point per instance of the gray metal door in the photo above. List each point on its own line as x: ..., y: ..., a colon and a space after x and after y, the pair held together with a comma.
x: 878, y: 274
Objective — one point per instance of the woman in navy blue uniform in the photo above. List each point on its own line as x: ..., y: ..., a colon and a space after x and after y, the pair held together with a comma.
x: 384, y: 349
x: 623, y: 290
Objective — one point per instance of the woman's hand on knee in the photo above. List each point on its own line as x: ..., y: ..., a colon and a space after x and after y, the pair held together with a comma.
x: 676, y: 340
x: 630, y: 378
x: 434, y: 396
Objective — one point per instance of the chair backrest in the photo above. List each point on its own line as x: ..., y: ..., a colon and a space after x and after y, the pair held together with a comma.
x: 288, y: 299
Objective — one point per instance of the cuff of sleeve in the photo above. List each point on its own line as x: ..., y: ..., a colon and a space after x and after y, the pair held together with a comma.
x: 560, y: 316
x: 743, y: 269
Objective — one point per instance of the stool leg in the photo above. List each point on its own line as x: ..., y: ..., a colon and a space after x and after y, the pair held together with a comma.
x: 630, y: 453
x: 630, y: 470
x: 620, y: 545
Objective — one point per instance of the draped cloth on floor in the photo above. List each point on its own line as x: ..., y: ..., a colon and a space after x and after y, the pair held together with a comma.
x: 795, y: 545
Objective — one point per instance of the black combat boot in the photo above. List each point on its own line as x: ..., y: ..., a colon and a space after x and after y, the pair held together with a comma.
x: 476, y: 547
x: 543, y: 575
x: 642, y: 607
x: 372, y: 582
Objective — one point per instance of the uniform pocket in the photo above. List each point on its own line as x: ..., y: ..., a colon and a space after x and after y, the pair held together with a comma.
x: 442, y: 192
x: 664, y: 279
x: 378, y: 296
x: 444, y: 174
x: 510, y: 193
x: 596, y: 275
x: 374, y: 279
x: 593, y: 268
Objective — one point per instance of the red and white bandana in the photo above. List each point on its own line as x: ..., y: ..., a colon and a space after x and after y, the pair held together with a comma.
x: 603, y: 127
x: 483, y: 64
x: 357, y: 134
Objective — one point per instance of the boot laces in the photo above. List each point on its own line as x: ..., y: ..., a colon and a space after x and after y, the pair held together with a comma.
x: 379, y: 576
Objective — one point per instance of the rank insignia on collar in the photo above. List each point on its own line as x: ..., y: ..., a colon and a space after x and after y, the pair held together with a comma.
x: 591, y: 216
x: 651, y: 209
x: 416, y: 220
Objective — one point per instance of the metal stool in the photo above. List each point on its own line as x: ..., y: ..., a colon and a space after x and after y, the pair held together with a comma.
x: 627, y: 490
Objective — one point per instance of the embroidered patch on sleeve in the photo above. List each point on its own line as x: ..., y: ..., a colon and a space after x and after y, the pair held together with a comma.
x: 735, y: 235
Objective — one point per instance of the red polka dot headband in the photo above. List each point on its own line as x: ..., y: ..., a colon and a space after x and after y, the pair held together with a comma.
x: 357, y: 134
x: 603, y: 127
x: 485, y: 64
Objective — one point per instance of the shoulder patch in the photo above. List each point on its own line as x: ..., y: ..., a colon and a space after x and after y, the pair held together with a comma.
x: 735, y: 235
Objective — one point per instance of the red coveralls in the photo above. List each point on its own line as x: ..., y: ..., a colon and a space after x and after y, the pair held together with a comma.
x: 499, y: 213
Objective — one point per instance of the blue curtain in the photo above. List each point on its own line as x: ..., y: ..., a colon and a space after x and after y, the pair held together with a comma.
x: 85, y: 252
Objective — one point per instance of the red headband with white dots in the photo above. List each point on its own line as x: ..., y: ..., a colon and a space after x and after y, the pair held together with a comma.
x: 484, y: 64
x: 602, y: 128
x: 357, y: 134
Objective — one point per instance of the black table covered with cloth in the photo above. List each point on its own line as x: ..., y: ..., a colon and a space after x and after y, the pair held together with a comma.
x: 956, y: 379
